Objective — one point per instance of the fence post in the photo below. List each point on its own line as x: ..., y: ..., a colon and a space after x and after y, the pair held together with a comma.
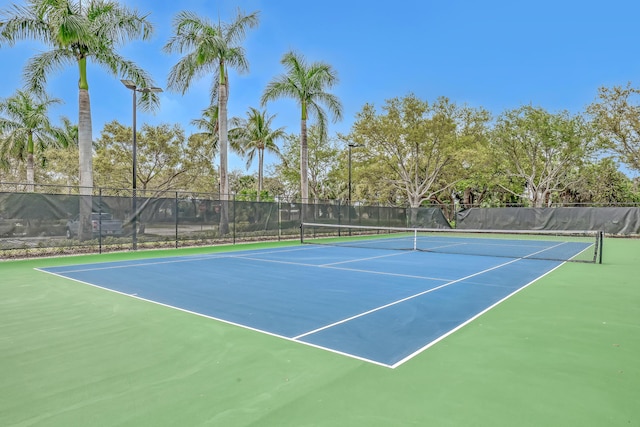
x: 455, y: 214
x: 234, y: 218
x: 339, y: 215
x: 176, y: 213
x: 99, y: 220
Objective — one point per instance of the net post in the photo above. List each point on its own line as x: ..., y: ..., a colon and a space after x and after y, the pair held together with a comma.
x: 301, y: 232
x: 415, y: 239
x: 601, y: 239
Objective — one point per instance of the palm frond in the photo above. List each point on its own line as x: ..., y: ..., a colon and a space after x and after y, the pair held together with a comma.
x: 118, y: 24
x: 22, y: 23
x: 205, y: 47
x: 39, y: 67
x: 236, y: 31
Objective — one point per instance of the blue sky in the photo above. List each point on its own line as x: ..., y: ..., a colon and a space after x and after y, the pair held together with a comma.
x: 496, y: 54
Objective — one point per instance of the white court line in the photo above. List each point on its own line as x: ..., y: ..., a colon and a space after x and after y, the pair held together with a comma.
x: 410, y: 297
x: 228, y: 322
x: 365, y: 313
x: 296, y: 339
x: 329, y: 266
x: 251, y: 258
x: 192, y: 258
x: 443, y: 336
x: 361, y: 259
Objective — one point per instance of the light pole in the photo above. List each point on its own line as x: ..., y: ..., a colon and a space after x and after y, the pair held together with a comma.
x: 134, y: 208
x: 351, y: 146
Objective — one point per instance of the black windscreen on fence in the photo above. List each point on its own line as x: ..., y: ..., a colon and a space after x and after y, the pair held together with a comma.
x: 172, y: 219
x: 612, y: 220
x: 35, y: 220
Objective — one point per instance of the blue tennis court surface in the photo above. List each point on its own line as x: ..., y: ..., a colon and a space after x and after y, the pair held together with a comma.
x: 377, y: 305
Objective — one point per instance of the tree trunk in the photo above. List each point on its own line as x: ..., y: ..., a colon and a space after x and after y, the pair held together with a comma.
x: 223, y: 138
x: 304, y: 162
x: 85, y: 149
x: 467, y: 198
x: 304, y: 166
x: 260, y: 162
x: 414, y: 203
x: 30, y: 174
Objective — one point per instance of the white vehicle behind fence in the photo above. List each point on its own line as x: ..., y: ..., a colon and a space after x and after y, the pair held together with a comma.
x: 101, y: 224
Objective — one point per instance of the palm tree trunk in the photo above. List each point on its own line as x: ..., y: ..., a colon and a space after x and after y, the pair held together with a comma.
x: 223, y: 138
x: 30, y: 174
x: 85, y: 148
x: 260, y: 162
x: 304, y: 162
x: 304, y: 167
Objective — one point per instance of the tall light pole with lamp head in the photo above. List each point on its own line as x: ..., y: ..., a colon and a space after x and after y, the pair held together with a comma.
x: 134, y: 208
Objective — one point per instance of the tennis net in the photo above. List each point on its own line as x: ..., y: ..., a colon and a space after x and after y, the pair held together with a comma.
x: 575, y: 246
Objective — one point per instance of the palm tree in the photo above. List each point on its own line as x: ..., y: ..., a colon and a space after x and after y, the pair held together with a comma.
x: 76, y: 32
x: 209, y: 129
x: 254, y: 135
x: 307, y: 85
x: 208, y: 125
x: 66, y: 136
x: 25, y: 126
x: 210, y: 49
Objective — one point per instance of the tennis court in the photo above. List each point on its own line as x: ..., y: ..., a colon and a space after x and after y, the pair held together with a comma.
x: 383, y: 306
x: 291, y: 335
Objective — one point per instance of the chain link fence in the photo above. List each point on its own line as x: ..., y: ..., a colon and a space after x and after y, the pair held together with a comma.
x: 50, y: 220
x: 56, y: 219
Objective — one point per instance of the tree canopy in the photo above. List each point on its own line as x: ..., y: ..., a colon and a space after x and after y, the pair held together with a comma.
x: 541, y: 150
x: 616, y: 115
x: 413, y: 143
x: 166, y: 160
x: 408, y: 151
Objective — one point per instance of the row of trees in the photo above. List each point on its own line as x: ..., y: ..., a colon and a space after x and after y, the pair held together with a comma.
x: 76, y: 32
x: 412, y: 152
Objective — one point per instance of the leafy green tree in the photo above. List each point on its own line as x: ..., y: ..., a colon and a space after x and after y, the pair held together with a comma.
x: 602, y: 183
x: 616, y: 116
x: 207, y: 124
x: 254, y: 135
x: 287, y: 173
x: 307, y: 84
x: 542, y: 150
x: 470, y: 176
x: 165, y: 160
x: 323, y: 159
x: 62, y: 164
x: 241, y: 183
x: 412, y: 144
x: 11, y: 170
x: 210, y: 49
x: 25, y: 127
x: 76, y: 32
x: 199, y: 154
x: 274, y: 187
